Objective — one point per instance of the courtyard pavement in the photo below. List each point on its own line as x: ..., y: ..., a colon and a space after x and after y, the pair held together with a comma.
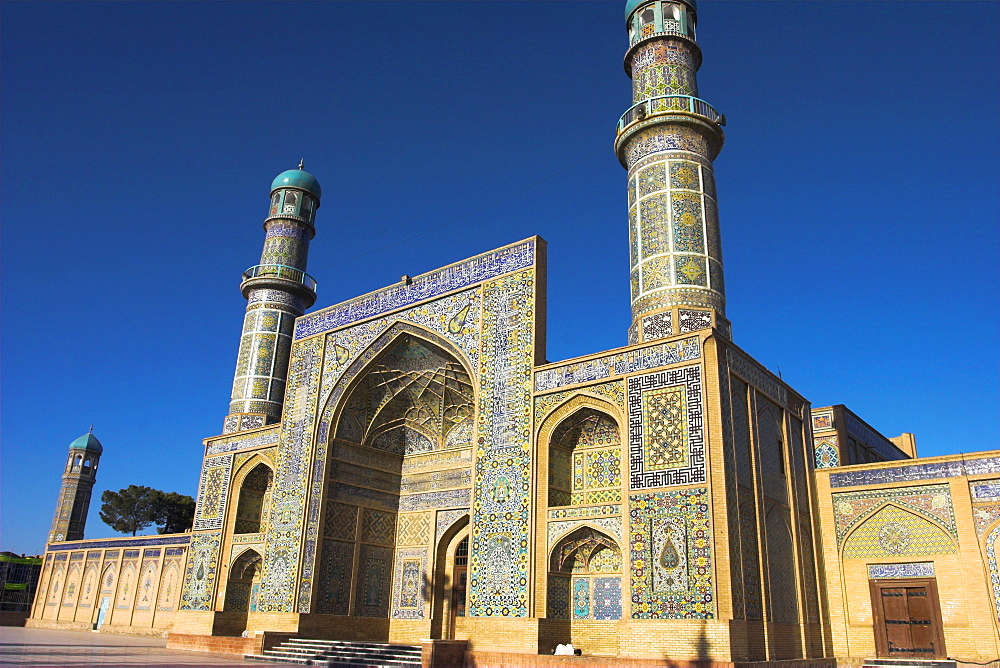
x: 43, y: 647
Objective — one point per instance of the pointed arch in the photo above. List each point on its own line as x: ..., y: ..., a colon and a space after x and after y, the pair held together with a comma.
x: 446, y: 570
x: 166, y: 597
x: 244, y: 573
x: 893, y: 530
x: 254, y: 484
x: 584, y: 576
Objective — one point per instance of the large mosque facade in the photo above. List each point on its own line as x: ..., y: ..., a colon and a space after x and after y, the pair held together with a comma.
x: 407, y: 465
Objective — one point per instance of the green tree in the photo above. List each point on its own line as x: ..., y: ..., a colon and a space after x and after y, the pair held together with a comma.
x: 131, y: 509
x: 174, y: 512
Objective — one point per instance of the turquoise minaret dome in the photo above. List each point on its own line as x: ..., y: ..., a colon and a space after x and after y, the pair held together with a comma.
x: 277, y: 290
x: 78, y: 480
x: 87, y: 442
x: 667, y: 141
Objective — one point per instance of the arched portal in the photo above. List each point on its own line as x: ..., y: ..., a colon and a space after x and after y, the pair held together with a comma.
x: 251, y: 507
x: 585, y: 576
x: 585, y: 460
x: 244, y: 579
x: 450, y: 579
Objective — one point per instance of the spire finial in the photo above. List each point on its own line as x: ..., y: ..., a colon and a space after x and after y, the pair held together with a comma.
x: 302, y: 163
x: 91, y: 430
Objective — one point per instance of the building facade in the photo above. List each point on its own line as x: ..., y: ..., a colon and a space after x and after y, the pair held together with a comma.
x: 407, y: 465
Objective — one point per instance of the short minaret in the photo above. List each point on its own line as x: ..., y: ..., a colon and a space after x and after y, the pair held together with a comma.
x: 277, y: 290
x: 667, y: 141
x: 78, y: 480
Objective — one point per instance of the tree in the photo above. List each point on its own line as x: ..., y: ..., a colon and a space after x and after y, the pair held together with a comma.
x: 130, y: 509
x: 174, y: 512
x: 136, y: 507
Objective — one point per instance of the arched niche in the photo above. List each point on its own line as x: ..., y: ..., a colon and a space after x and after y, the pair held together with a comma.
x: 585, y: 576
x: 244, y: 578
x: 254, y: 483
x: 893, y: 531
x: 582, y: 442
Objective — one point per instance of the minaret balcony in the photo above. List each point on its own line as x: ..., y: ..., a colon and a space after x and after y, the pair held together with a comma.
x: 663, y: 105
x: 281, y: 272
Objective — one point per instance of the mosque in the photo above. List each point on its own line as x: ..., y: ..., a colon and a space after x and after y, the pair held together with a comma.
x: 406, y: 467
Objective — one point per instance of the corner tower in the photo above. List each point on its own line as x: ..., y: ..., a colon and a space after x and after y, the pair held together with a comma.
x: 78, y: 480
x: 277, y: 291
x: 667, y: 141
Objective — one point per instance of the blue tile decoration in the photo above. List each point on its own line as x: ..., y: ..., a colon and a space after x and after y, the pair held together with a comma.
x: 641, y: 359
x: 992, y: 543
x: 452, y: 498
x: 460, y: 275
x: 589, y: 511
x: 213, y: 492
x: 558, y: 597
x: 613, y: 391
x: 666, y: 438
x: 756, y: 375
x: 219, y: 446
x: 409, y: 599
x: 607, y: 598
x: 375, y: 570
x: 446, y: 519
x: 670, y: 545
x: 335, y: 575
x: 138, y: 541
x: 202, y: 567
x: 892, y: 474
x: 987, y: 490
x: 921, y: 569
x: 825, y: 451
x: 581, y: 598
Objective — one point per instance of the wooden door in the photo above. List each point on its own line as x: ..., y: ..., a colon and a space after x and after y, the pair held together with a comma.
x: 907, y: 619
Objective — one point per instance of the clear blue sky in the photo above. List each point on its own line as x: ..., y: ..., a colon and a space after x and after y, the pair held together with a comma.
x: 858, y: 193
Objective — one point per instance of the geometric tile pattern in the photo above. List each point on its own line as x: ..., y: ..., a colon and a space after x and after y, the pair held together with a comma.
x: 670, y: 544
x: 341, y: 521
x: 666, y: 444
x: 558, y: 597
x: 657, y: 326
x: 374, y: 581
x: 595, y: 511
x: 202, y: 566
x: 414, y: 529
x: 335, y: 575
x: 650, y: 357
x: 377, y: 527
x: 930, y: 501
x: 928, y: 471
x: 212, y: 492
x: 230, y: 443
x: 825, y: 451
x: 692, y: 321
x: 893, y: 532
x: 581, y: 598
x: 499, y: 546
x: 920, y: 569
x: 612, y: 525
x: 607, y: 598
x: 410, y: 585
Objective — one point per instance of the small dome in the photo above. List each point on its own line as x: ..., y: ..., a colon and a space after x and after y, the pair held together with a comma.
x: 632, y: 5
x: 87, y: 442
x: 298, y: 178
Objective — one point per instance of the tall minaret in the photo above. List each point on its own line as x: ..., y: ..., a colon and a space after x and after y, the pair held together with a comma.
x: 78, y: 480
x: 667, y: 141
x: 277, y: 290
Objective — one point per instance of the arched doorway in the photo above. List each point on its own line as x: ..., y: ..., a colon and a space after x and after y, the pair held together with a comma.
x: 251, y: 508
x: 450, y: 588
x: 585, y: 576
x: 244, y: 580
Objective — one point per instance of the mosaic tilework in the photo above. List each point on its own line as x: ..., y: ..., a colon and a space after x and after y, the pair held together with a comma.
x: 611, y: 525
x: 650, y: 357
x: 213, y: 491
x: 992, y: 543
x: 613, y: 390
x: 438, y: 460
x: 894, y: 532
x: 657, y: 326
x: 658, y: 138
x: 374, y: 580
x: 822, y: 420
x: 410, y: 585
x: 558, y: 597
x: 607, y: 596
x: 985, y: 516
x: 202, y: 566
x: 920, y: 569
x: 656, y: 273
x: 498, y: 554
x: 415, y: 529
x: 446, y: 519
x: 693, y: 321
x: 334, y: 580
x: 431, y: 500
x: 593, y: 511
x: 666, y: 441
x: 463, y: 274
x: 231, y: 443
x: 825, y: 451
x: 377, y: 526
x: 581, y: 598
x: 916, y: 472
x: 930, y: 501
x: 670, y: 544
x: 140, y: 541
x: 985, y: 490
x: 423, y: 482
x: 752, y: 373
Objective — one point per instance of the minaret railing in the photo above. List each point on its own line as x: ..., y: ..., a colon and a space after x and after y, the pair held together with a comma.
x: 663, y: 104
x: 280, y: 271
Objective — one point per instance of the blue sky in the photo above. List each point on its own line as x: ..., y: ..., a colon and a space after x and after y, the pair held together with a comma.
x: 858, y: 197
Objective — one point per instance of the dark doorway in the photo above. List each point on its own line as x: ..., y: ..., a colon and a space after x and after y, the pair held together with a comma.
x: 907, y: 618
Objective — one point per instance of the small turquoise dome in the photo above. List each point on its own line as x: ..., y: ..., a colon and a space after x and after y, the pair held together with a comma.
x: 632, y: 5
x: 87, y: 442
x: 298, y: 178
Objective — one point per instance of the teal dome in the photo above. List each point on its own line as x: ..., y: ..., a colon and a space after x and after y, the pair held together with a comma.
x: 298, y: 178
x: 87, y: 442
x: 632, y: 5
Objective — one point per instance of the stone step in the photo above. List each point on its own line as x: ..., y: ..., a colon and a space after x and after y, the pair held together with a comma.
x: 342, y: 654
